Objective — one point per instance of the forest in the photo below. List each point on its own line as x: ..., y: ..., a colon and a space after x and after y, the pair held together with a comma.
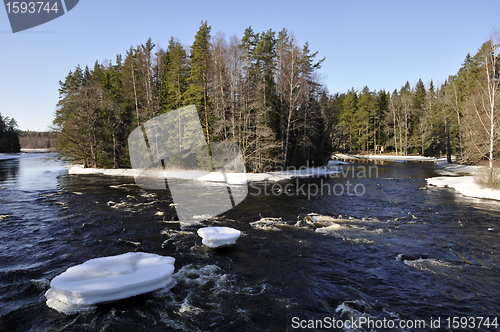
x: 9, y: 135
x: 460, y: 117
x: 262, y: 91
x: 38, y: 139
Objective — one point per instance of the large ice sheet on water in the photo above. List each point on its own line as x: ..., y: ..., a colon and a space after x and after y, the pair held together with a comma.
x: 215, y: 237
x: 108, y: 279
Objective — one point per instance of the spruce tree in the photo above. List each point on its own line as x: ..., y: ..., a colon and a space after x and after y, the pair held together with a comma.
x: 197, y: 91
x: 174, y: 76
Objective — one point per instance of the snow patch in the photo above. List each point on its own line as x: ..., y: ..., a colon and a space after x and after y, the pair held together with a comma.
x: 232, y: 178
x: 461, y: 178
x: 464, y: 185
x: 389, y: 157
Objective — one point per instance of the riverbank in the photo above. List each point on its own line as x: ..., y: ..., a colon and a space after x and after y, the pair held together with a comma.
x: 38, y: 150
x: 386, y: 157
x: 454, y: 176
x: 231, y: 178
x: 461, y: 178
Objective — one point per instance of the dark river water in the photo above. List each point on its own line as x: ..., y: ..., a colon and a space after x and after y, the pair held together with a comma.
x: 389, y: 251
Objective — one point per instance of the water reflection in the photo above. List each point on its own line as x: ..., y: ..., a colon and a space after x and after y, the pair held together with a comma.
x: 36, y: 171
x: 450, y: 244
x: 9, y: 170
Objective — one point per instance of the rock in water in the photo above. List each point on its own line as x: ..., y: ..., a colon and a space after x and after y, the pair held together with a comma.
x: 216, y: 237
x: 108, y: 279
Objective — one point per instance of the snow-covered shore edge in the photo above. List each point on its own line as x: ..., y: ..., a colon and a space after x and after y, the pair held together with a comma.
x: 461, y: 179
x: 455, y: 176
x: 386, y: 157
x: 232, y: 178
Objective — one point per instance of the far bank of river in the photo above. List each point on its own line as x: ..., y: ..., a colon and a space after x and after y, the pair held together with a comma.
x: 461, y: 178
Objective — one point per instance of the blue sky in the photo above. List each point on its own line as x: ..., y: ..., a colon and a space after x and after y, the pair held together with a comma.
x: 378, y: 43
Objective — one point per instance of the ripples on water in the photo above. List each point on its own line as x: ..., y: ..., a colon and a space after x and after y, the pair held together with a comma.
x: 395, y: 252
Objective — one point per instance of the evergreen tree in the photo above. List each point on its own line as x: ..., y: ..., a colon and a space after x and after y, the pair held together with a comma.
x: 174, y: 76
x: 419, y: 118
x: 262, y: 145
x: 259, y: 91
x: 9, y: 135
x: 363, y: 119
x: 197, y: 91
x: 382, y: 106
x: 349, y: 109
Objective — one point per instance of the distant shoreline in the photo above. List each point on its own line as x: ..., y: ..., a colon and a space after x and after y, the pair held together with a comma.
x: 38, y: 150
x: 15, y: 155
x: 386, y: 157
x: 232, y: 178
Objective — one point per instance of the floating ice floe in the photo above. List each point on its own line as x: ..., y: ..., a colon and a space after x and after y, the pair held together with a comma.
x: 335, y: 162
x: 216, y: 237
x: 108, y: 279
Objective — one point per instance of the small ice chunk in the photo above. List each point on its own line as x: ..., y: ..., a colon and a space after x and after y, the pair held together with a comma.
x: 335, y: 162
x: 215, y: 237
x: 108, y: 279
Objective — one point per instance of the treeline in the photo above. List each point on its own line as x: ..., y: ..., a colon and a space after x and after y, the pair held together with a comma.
x: 259, y: 91
x: 461, y: 117
x: 9, y: 135
x: 38, y: 139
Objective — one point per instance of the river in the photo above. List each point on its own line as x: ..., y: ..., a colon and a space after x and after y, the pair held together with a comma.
x: 394, y: 252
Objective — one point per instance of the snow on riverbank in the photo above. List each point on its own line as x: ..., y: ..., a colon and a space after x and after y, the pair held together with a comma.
x: 38, y: 150
x: 461, y: 178
x: 387, y: 157
x: 232, y: 178
x: 455, y: 176
x: 445, y: 168
x: 465, y: 185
